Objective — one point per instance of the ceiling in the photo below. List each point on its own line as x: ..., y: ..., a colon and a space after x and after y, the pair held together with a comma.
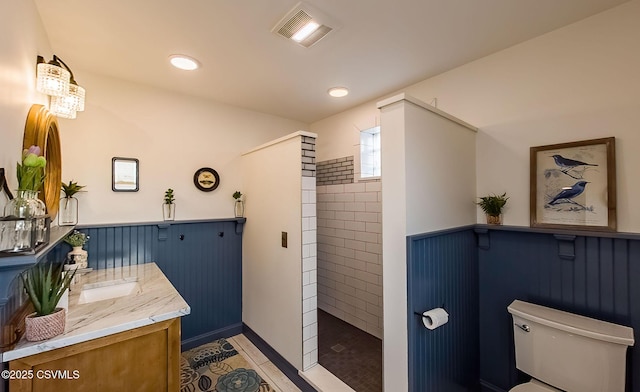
x: 377, y: 47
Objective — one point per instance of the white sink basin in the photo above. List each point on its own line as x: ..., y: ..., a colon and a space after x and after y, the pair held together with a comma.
x: 100, y: 291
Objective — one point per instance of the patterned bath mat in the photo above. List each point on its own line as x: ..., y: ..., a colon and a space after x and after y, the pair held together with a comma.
x: 218, y: 367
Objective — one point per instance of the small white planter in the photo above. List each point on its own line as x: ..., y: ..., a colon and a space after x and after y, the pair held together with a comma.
x: 169, y: 212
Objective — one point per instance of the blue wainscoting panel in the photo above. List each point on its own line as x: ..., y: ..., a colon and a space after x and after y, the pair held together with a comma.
x: 121, y: 245
x: 202, y: 259
x: 601, y: 280
x: 443, y: 272
x: 204, y: 262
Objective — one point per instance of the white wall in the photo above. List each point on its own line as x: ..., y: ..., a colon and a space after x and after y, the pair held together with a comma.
x: 339, y: 135
x: 578, y: 82
x: 271, y: 274
x: 22, y: 38
x: 172, y: 135
x: 428, y: 164
x: 440, y: 172
x: 394, y: 253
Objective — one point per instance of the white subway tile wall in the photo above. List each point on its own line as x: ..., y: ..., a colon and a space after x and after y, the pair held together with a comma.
x: 349, y: 261
x: 309, y: 256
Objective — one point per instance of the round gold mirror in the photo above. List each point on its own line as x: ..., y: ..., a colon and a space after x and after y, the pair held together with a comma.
x: 41, y: 130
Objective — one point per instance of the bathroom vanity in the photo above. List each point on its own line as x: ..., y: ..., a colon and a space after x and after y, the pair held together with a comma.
x: 122, y: 334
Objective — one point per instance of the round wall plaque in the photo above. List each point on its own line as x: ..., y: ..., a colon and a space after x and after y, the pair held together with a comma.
x: 206, y: 179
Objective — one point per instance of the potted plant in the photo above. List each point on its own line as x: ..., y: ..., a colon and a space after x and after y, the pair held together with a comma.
x: 492, y: 206
x: 239, y: 205
x: 169, y: 207
x: 77, y: 257
x: 68, y: 215
x: 45, y: 283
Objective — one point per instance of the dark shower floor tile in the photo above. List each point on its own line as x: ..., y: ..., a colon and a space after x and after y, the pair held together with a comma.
x: 351, y: 354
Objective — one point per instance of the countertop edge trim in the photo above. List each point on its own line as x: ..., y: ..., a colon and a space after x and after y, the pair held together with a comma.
x: 50, y: 345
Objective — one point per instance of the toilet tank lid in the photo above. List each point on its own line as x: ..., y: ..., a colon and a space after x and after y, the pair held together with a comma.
x: 573, y: 323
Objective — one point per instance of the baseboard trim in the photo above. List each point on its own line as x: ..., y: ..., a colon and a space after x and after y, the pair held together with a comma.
x: 231, y: 330
x: 285, y: 367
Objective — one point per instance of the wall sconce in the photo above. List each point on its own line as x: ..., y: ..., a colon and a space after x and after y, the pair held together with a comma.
x: 56, y: 79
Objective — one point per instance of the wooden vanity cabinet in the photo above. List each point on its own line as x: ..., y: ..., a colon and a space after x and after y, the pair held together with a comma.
x: 141, y: 359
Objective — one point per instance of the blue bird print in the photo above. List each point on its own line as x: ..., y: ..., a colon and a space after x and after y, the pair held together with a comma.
x: 568, y: 164
x: 569, y: 193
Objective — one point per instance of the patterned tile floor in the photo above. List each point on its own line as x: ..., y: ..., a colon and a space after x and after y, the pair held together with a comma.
x: 351, y: 354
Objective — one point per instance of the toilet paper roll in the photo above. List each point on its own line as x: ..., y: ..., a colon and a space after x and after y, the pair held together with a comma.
x: 435, y: 318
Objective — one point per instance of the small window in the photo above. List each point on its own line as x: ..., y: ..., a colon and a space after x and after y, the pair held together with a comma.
x: 370, y: 152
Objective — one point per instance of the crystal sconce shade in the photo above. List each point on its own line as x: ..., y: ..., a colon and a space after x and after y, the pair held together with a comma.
x: 63, y: 107
x: 56, y: 79
x: 77, y: 93
x: 53, y: 80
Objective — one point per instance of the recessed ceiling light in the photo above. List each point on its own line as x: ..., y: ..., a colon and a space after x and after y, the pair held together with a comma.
x: 184, y: 62
x: 338, y: 92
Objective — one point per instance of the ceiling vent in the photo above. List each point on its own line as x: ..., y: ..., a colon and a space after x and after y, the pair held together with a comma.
x: 303, y: 24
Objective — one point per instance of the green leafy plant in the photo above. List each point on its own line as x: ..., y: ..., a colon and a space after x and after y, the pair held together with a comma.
x: 71, y: 188
x: 493, y: 204
x: 77, y: 238
x: 168, y: 196
x: 237, y: 195
x: 31, y: 172
x: 45, y: 283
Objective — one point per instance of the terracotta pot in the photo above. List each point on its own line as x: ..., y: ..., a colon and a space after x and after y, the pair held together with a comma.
x: 45, y: 327
x: 494, y: 219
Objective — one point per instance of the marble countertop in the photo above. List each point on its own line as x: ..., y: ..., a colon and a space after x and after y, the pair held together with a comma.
x: 154, y: 300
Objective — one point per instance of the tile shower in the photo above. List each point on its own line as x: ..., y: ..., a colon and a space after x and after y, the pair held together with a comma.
x: 349, y: 239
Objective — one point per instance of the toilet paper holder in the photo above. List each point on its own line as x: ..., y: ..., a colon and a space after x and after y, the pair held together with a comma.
x: 434, y: 318
x: 420, y: 313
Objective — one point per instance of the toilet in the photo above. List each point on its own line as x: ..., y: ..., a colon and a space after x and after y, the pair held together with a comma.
x: 563, y: 351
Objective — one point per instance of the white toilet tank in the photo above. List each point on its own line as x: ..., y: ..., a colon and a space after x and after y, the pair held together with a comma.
x: 570, y: 352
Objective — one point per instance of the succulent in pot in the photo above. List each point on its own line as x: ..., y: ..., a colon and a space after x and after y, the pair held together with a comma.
x: 239, y: 204
x: 77, y: 238
x: 71, y: 189
x: 168, y: 196
x: 45, y: 283
x: 492, y: 206
x: 68, y: 214
x: 169, y: 207
x: 78, y: 257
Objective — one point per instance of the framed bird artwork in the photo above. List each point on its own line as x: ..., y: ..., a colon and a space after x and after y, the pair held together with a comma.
x: 573, y: 185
